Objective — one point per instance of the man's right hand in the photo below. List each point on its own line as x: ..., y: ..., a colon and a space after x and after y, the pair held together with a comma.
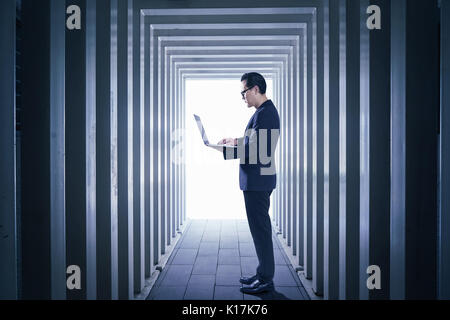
x: 228, y: 141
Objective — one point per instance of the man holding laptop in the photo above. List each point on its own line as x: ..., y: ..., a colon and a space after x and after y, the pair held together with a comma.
x: 257, y: 176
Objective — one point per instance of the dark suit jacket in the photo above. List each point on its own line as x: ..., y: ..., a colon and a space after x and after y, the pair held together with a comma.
x: 257, y: 169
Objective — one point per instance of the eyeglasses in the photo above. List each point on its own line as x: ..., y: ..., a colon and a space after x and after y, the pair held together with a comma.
x: 243, y: 92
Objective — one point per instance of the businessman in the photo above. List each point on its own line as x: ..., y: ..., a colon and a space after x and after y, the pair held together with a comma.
x: 257, y: 177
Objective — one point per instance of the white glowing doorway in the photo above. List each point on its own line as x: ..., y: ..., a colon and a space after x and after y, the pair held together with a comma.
x: 212, y: 184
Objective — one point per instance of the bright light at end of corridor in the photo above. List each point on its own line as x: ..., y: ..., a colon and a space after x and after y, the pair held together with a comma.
x: 212, y: 184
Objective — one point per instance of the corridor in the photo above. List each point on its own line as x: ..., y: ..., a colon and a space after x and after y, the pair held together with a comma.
x: 94, y: 181
x: 209, y: 259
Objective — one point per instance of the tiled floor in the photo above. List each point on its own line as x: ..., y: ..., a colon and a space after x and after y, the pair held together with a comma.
x: 209, y: 259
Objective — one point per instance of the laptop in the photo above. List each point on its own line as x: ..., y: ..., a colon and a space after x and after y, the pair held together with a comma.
x: 205, y: 138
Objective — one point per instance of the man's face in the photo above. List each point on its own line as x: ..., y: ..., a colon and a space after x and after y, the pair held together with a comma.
x: 248, y: 95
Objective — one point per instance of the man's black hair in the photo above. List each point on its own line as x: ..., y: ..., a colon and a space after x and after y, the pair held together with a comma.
x: 255, y: 79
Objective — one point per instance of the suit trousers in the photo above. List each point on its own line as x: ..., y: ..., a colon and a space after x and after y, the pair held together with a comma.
x: 257, y: 205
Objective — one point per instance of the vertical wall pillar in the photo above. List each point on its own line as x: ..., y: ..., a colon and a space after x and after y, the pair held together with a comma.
x: 318, y: 144
x: 297, y: 145
x: 282, y: 158
x: 332, y: 142
x: 444, y: 221
x: 173, y: 149
x: 165, y: 113
x: 287, y: 177
x: 147, y: 178
x: 364, y: 149
x: 138, y: 149
x: 183, y: 113
x: 155, y: 152
x: 178, y: 139
x: 398, y: 154
x: 125, y: 148
x: 80, y: 150
x: 76, y: 149
x: 91, y: 147
x: 180, y: 150
x: 169, y: 154
x: 283, y: 175
x: 8, y: 236
x: 277, y: 193
x: 288, y: 65
x: 301, y: 142
x: 106, y: 84
x: 308, y: 149
x: 414, y: 152
x: 43, y: 215
x: 183, y: 167
x: 349, y: 151
x: 57, y: 151
x: 163, y: 125
x: 375, y: 149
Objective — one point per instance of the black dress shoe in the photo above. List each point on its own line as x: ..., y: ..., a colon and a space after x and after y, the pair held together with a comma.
x: 258, y: 287
x: 248, y: 280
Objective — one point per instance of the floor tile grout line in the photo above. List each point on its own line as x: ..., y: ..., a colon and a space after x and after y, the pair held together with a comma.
x: 217, y: 266
x: 192, y: 270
